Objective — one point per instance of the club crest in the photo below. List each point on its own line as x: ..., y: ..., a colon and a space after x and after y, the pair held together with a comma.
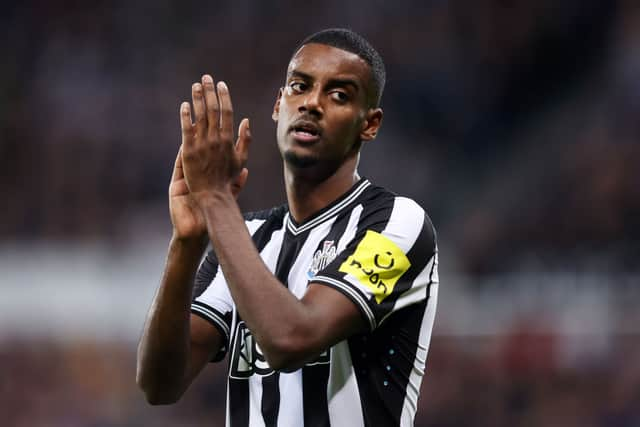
x: 322, y: 258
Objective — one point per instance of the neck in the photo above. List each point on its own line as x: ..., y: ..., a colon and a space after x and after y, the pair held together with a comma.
x: 307, y: 196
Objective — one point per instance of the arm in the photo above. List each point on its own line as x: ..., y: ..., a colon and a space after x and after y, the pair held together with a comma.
x: 176, y: 345
x: 289, y: 331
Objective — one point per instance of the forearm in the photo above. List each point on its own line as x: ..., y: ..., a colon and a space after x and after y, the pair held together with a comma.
x: 277, y: 319
x: 163, y: 352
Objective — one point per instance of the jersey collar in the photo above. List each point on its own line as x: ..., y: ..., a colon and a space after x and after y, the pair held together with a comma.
x: 328, y: 211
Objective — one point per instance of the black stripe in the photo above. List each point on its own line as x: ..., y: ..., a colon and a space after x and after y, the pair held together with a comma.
x: 316, y: 377
x: 271, y: 399
x: 338, y: 228
x: 314, y: 394
x: 263, y: 234
x: 378, y: 205
x: 238, y: 402
x: 270, y: 404
x: 206, y: 273
x: 239, y: 396
x: 400, y: 332
x: 383, y: 362
x: 289, y: 251
x: 405, y: 340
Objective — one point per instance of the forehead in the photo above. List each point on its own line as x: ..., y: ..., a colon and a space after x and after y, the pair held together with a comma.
x: 323, y: 61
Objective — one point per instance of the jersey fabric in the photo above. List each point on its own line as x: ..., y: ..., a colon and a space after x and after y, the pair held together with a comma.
x: 379, y: 250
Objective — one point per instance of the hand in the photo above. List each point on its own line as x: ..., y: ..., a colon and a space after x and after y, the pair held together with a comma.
x: 187, y: 220
x: 210, y: 159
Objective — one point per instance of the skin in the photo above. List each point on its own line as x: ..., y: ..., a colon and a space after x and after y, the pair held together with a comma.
x: 325, y: 86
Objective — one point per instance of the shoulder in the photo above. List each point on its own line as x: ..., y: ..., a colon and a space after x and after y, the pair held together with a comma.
x: 274, y: 212
x: 267, y: 217
x: 397, y: 214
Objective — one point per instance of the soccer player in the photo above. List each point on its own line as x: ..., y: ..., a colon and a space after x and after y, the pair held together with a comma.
x: 324, y: 305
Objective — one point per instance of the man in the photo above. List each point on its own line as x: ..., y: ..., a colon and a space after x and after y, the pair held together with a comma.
x: 325, y: 305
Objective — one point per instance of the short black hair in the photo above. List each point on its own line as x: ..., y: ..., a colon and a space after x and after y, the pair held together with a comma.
x: 353, y: 42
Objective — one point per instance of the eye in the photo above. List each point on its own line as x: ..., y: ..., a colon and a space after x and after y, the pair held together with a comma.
x: 297, y: 87
x: 339, y: 96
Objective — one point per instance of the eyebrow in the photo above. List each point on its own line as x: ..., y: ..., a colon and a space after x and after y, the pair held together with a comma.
x: 334, y: 82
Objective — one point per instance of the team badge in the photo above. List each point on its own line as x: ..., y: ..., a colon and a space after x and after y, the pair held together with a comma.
x: 322, y: 258
x: 377, y: 263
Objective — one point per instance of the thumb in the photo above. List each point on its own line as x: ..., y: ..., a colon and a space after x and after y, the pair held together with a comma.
x: 177, y: 167
x: 239, y: 182
x: 243, y: 142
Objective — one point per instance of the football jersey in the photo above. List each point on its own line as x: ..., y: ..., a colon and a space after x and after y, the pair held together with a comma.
x: 379, y: 250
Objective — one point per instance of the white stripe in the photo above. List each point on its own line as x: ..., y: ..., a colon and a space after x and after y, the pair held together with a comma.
x: 255, y: 401
x: 350, y: 231
x: 213, y: 317
x: 227, y: 418
x: 343, y: 395
x: 291, y: 412
x: 355, y: 294
x: 271, y: 250
x: 417, y: 372
x: 405, y: 223
x: 416, y: 293
x: 254, y: 224
x: 297, y: 230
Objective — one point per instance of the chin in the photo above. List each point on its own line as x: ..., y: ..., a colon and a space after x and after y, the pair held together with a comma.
x: 298, y: 161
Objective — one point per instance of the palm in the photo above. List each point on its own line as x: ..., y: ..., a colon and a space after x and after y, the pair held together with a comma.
x: 186, y: 216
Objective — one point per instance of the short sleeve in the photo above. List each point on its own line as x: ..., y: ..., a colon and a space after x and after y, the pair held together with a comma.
x: 389, y: 264
x: 212, y: 300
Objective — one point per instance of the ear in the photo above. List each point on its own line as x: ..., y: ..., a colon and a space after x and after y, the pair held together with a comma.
x: 276, y: 107
x: 371, y: 124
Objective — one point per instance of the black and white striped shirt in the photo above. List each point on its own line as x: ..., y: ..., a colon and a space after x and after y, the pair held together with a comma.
x: 379, y: 250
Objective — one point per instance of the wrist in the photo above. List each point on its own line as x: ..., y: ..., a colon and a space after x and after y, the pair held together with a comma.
x: 189, y: 243
x: 215, y: 198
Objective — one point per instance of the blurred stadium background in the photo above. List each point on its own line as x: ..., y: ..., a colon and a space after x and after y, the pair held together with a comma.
x: 514, y: 122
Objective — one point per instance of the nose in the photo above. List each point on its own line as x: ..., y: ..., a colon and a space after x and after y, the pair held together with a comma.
x: 311, y: 103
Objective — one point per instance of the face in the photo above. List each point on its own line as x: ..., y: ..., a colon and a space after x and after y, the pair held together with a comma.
x: 322, y: 111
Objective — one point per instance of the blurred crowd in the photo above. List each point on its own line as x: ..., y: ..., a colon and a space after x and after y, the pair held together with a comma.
x: 514, y: 122
x: 517, y: 380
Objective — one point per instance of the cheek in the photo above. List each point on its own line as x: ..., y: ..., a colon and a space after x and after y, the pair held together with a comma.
x: 349, y: 127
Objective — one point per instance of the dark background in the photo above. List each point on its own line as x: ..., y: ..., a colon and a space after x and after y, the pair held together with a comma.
x: 514, y: 123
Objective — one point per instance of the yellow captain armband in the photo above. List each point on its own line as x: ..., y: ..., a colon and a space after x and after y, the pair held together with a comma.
x: 377, y: 263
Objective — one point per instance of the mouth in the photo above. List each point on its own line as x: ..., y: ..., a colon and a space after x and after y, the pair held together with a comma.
x: 305, y: 131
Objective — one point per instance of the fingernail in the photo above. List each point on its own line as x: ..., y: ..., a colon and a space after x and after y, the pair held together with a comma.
x: 248, y: 128
x: 207, y: 78
x: 222, y: 85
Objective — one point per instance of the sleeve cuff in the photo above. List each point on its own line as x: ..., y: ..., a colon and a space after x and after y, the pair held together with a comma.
x: 214, y: 317
x: 353, y: 294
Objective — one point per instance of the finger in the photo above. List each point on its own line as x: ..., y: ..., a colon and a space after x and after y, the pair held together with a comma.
x: 226, y: 112
x: 185, y: 124
x: 199, y: 109
x: 244, y: 140
x: 212, y: 106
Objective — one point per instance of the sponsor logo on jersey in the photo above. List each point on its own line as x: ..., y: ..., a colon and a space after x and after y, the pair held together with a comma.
x: 377, y: 263
x: 322, y: 258
x: 247, y: 358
